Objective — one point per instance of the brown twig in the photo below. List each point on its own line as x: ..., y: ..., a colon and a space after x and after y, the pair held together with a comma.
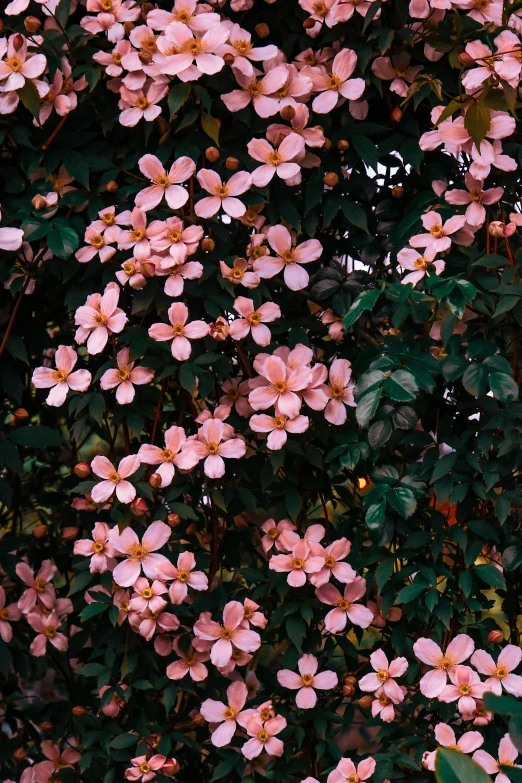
x: 159, y: 407
x: 55, y: 132
x: 13, y: 315
x: 244, y: 361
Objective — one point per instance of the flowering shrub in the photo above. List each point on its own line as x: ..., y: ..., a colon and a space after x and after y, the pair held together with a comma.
x: 260, y: 489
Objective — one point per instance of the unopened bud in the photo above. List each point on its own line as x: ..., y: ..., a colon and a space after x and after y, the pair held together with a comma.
x: 208, y: 245
x: 32, y: 24
x: 198, y: 719
x: 147, y: 269
x: 20, y: 754
x: 173, y: 520
x: 309, y: 23
x: 82, y: 469
x: 191, y: 529
x: 331, y: 179
x: 287, y: 113
x: 138, y: 507
x: 350, y: 680
x: 348, y: 690
x: 128, y: 27
x: 396, y: 114
x: 212, y: 154
x: 220, y: 329
x: 326, y: 144
x: 397, y: 191
x: 155, y: 480
x: 18, y: 42
x: 112, y: 186
x: 229, y: 58
x: 262, y: 30
x: 170, y: 768
x: 146, y: 8
x: 69, y: 533
x: 465, y: 59
x: 21, y: 414
x: 40, y: 531
x: 78, y: 711
x: 38, y: 201
x: 495, y: 637
x: 232, y: 164
x: 145, y: 58
x: 496, y: 228
x: 46, y: 725
x: 343, y: 145
x: 366, y: 701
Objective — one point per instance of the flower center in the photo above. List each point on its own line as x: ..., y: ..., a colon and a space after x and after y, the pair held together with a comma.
x: 162, y: 181
x: 97, y: 547
x: 437, y: 231
x: 139, y: 552
x: 97, y: 241
x: 254, y: 318
x: 254, y: 88
x: 329, y: 562
x: 226, y: 633
x: 465, y: 689
x: 278, y: 422
x: 230, y: 714
x: 194, y: 47
x: 116, y: 56
x: 247, y: 614
x: 237, y: 273
x: 310, y: 59
x: 382, y: 675
x: 236, y: 654
x: 273, y: 533
x: 147, y: 593
x: 307, y: 679
x: 4, y: 614
x: 445, y: 664
x: 174, y: 236
x: 60, y: 376
x: 222, y: 191
x: 124, y: 606
x: 106, y: 5
x: 279, y: 386
x: 50, y: 631
x: 213, y: 448
x: 40, y: 585
x: 183, y: 15
x: 178, y: 330
x: 501, y: 672
x: 353, y: 778
x: 297, y: 563
x: 114, y: 477
x: 145, y: 767
x: 183, y: 576
x: 123, y: 374
x: 167, y: 455
x: 343, y: 604
x: 100, y: 319
x: 138, y: 233
x: 421, y: 263
x: 262, y: 736
x: 288, y: 257
x: 320, y: 9
x: 264, y: 714
x: 109, y: 218
x: 14, y: 63
x: 481, y: 5
x: 334, y: 82
x: 275, y: 158
x: 282, y: 92
x: 243, y: 46
x: 336, y: 391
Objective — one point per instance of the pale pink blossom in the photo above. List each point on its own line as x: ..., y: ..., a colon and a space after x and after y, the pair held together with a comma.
x: 57, y: 759
x: 190, y: 662
x: 184, y: 576
x: 339, y: 392
x: 17, y: 64
x: 252, y: 616
x: 334, y: 323
x: 112, y: 60
x: 114, y: 480
x: 149, y: 623
x: 384, y: 706
x: 225, y: 717
x: 195, y: 54
x: 240, y: 273
x: 222, y: 636
x: 177, y: 273
x: 235, y: 395
x: 99, y: 317
x: 254, y: 320
x: 140, y: 556
x: 333, y: 555
x: 180, y: 332
x: 125, y: 377
x: 139, y: 104
x: 420, y: 265
x: 62, y: 379
x: 277, y: 427
x: 346, y: 771
x: 426, y: 650
x: 445, y: 736
x: 113, y: 707
x: 165, y: 184
x: 211, y: 447
x: 143, y: 769
x: 223, y: 196
x: 300, y: 562
x: 337, y: 84
x: 262, y: 92
x: 272, y: 534
x: 110, y: 21
x: 288, y: 258
x: 171, y: 235
x: 98, y: 244
x: 307, y: 681
x: 438, y: 238
x: 313, y: 136
x: 465, y: 687
x: 475, y: 197
x: 98, y: 549
x: 346, y: 607
x: 507, y: 755
x: 398, y: 69
x: 280, y: 387
x: 166, y: 458
x: 241, y: 48
x: 188, y: 12
x: 138, y: 237
x: 11, y: 238
x: 39, y: 587
x: 46, y: 626
x: 278, y: 161
x: 500, y: 673
x: 264, y: 737
x: 8, y: 614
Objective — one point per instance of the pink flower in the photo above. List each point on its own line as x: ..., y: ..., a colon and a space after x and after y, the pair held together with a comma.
x: 62, y: 379
x: 164, y: 184
x: 166, y: 458
x: 264, y: 737
x: 171, y: 235
x: 110, y: 21
x: 445, y: 736
x: 340, y: 392
x: 125, y: 377
x: 184, y: 577
x: 195, y: 54
x: 136, y: 105
x: 475, y: 197
x: 297, y: 564
x: 178, y: 273
x: 507, y: 755
x: 235, y: 395
x: 345, y: 608
x: 99, y: 317
x: 114, y: 480
x: 280, y: 387
x: 254, y: 320
x: 8, y: 614
x: 332, y: 556
x: 427, y: 651
x: 240, y: 273
x: 98, y: 244
x: 190, y: 662
x: 383, y: 706
x: 346, y: 771
x: 420, y: 265
x: 252, y: 616
x: 113, y: 707
x: 260, y: 91
x: 148, y: 597
x: 57, y: 759
x: 17, y: 65
x: 384, y: 676
x: 226, y: 715
x: 138, y: 555
x: 438, y: 238
x: 98, y: 549
x: 337, y: 84
x: 306, y: 681
x: 185, y: 11
x: 145, y: 770
x: 278, y: 426
x: 274, y: 161
x: 288, y: 258
x: 222, y: 196
x: 11, y: 238
x: 398, y: 69
x: 46, y: 627
x: 241, y: 48
x: 499, y: 673
x: 180, y: 332
x: 222, y: 636
x: 273, y: 533
x: 211, y: 447
x: 466, y: 687
x: 40, y: 587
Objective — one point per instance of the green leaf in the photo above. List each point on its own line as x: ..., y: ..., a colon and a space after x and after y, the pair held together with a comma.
x: 30, y: 98
x: 375, y: 515
x: 76, y: 166
x: 491, y: 576
x: 177, y: 97
x: 474, y: 380
x: 296, y: 629
x: 62, y: 13
x: 62, y: 241
x: 379, y: 433
x: 503, y: 387
x: 443, y: 466
x: 365, y: 301
x: 401, y: 386
x: 355, y: 214
x: 477, y: 122
x: 402, y: 500
x: 452, y: 766
x: 367, y: 406
x: 124, y: 741
x: 411, y: 592
x: 210, y: 126
x: 36, y: 437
